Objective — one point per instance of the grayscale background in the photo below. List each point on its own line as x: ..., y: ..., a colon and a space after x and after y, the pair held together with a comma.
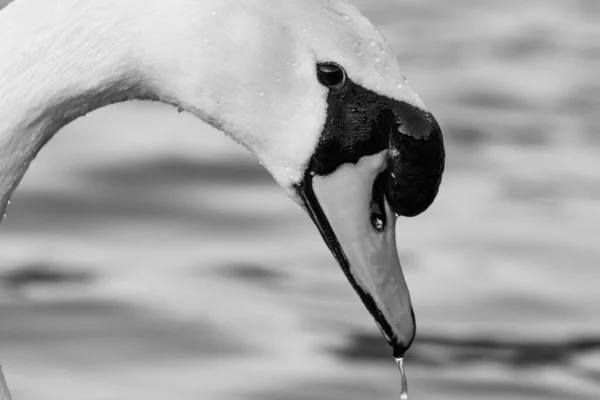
x: 145, y: 256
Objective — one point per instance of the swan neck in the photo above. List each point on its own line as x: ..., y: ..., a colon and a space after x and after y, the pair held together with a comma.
x: 62, y: 59
x: 58, y: 61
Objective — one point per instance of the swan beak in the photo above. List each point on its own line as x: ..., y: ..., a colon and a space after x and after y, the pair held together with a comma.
x: 349, y: 208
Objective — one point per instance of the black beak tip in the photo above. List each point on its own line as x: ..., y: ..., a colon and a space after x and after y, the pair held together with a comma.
x: 399, y: 351
x: 399, y: 348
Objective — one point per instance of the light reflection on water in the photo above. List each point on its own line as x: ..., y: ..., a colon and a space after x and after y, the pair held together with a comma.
x: 147, y: 253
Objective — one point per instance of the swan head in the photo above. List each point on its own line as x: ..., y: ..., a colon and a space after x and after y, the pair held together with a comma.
x: 310, y: 87
x: 321, y: 101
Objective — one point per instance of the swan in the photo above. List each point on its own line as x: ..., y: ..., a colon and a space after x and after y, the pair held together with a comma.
x: 309, y: 87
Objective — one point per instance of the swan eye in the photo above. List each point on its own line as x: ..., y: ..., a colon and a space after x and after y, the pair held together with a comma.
x: 331, y: 75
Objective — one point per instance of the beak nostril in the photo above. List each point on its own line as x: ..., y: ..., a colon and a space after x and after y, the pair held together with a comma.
x: 378, y: 218
x: 378, y: 222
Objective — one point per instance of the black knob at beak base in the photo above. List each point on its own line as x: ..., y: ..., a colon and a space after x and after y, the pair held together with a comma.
x: 417, y: 161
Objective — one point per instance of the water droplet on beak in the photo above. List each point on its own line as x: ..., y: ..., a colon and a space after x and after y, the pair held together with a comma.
x: 403, y: 383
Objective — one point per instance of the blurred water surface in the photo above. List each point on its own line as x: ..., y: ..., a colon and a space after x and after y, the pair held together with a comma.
x: 145, y: 256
